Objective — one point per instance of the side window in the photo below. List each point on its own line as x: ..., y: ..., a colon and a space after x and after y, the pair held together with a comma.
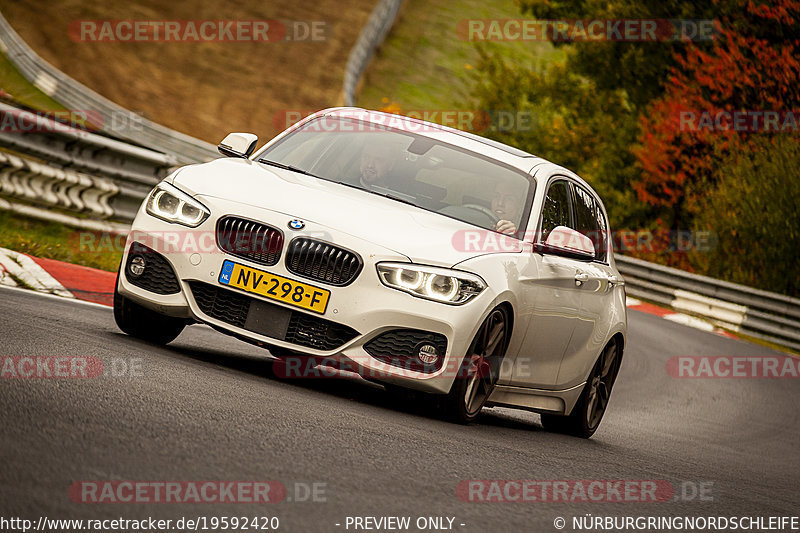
x: 589, y: 220
x: 556, y: 208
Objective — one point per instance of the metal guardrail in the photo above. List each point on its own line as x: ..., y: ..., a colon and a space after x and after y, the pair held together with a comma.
x: 74, y: 169
x: 117, y: 120
x: 372, y: 35
x: 761, y: 314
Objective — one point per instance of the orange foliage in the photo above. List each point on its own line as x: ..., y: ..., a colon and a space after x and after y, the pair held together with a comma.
x: 752, y: 67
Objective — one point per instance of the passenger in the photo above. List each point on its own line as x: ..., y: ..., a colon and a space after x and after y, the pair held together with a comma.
x: 507, y: 205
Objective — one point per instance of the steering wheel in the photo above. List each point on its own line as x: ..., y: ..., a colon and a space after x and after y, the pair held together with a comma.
x: 485, y: 210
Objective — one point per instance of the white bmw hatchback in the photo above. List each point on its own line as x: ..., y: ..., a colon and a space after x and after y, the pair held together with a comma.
x: 419, y: 256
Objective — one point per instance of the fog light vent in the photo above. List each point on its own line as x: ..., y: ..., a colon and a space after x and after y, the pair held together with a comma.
x: 150, y: 270
x: 411, y: 349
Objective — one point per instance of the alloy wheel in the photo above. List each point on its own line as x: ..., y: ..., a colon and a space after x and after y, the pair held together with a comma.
x: 482, y: 364
x: 600, y: 385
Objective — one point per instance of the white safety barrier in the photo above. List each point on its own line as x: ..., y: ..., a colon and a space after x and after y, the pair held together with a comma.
x: 62, y: 188
x: 761, y: 314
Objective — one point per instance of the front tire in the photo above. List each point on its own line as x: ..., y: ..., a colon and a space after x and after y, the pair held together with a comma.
x: 142, y: 323
x: 588, y: 412
x: 479, y: 369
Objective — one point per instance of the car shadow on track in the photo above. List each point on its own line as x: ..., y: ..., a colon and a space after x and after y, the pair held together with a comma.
x: 347, y: 386
x: 344, y: 385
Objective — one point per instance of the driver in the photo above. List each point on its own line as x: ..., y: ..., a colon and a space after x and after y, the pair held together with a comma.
x: 507, y: 206
x: 377, y: 161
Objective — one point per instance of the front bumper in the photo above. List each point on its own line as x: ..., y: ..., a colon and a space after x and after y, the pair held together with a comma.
x: 366, y: 306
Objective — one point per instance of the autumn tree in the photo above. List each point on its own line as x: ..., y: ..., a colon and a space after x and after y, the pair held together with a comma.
x: 689, y: 131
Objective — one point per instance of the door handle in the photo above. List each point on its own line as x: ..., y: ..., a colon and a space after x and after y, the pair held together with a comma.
x: 580, y: 278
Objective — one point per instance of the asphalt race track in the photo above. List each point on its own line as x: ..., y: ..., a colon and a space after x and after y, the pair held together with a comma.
x: 208, y: 407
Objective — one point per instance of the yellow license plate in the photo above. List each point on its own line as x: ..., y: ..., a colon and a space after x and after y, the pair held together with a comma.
x: 274, y: 287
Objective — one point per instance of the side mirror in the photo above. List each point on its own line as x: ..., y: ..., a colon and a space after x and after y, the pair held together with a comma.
x: 567, y: 242
x: 238, y: 145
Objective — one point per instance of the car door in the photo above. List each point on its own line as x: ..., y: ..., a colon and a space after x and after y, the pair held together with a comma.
x: 550, y: 295
x: 596, y: 288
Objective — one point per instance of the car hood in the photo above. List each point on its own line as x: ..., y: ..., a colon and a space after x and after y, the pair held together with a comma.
x: 422, y: 236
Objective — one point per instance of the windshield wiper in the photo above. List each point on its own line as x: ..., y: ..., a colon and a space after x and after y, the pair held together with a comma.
x: 288, y: 167
x: 385, y: 195
x: 351, y: 185
x: 397, y: 199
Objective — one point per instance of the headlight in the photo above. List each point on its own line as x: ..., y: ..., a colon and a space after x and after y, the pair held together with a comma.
x: 173, y: 205
x: 432, y: 283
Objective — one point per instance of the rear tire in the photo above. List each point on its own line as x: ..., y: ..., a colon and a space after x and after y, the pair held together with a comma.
x: 479, y: 369
x: 142, y: 323
x: 588, y: 412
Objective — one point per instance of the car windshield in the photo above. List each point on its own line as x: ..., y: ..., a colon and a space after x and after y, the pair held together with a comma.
x: 408, y: 167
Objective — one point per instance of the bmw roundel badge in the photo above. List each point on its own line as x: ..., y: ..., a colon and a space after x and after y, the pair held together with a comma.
x: 297, y: 224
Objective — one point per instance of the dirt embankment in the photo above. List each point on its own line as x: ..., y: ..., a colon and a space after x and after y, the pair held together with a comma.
x: 204, y: 89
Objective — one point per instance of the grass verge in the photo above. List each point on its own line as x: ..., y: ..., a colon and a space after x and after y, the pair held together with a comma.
x: 54, y: 241
x: 427, y: 64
